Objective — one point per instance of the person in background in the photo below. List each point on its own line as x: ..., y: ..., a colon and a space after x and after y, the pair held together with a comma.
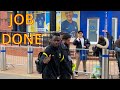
x: 81, y: 43
x: 102, y: 43
x: 66, y: 73
x: 117, y: 49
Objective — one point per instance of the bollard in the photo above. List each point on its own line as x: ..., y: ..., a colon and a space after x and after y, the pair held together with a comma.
x: 30, y: 60
x: 105, y: 64
x: 3, y: 58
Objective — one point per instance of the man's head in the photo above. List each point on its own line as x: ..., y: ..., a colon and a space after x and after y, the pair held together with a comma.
x: 80, y: 34
x: 101, y: 38
x: 61, y: 34
x: 69, y: 15
x: 66, y: 38
x: 55, y: 40
x: 117, y: 43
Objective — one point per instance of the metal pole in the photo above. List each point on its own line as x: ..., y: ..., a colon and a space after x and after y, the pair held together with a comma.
x: 106, y: 23
x: 3, y: 58
x: 105, y: 64
x: 30, y: 60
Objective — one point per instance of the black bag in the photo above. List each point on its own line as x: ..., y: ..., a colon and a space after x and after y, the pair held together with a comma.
x: 39, y: 65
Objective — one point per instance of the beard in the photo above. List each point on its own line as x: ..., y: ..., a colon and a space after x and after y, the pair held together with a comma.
x: 67, y: 45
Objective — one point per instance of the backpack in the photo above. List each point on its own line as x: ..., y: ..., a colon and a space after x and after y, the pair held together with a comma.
x: 39, y: 65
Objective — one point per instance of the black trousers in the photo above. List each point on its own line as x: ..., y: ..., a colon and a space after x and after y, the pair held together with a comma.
x: 65, y: 76
x: 48, y: 76
x: 118, y: 61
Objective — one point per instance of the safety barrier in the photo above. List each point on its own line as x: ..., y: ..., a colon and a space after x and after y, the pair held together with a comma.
x: 109, y: 65
x: 23, y: 57
x: 26, y: 55
x: 89, y: 63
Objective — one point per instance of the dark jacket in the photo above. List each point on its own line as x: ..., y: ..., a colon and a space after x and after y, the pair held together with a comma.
x: 52, y: 69
x: 79, y: 45
x: 117, y: 49
x: 66, y: 65
x: 98, y: 51
x: 117, y: 46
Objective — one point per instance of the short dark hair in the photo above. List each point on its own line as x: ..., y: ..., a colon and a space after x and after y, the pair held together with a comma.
x: 54, y: 34
x: 80, y: 31
x: 66, y: 36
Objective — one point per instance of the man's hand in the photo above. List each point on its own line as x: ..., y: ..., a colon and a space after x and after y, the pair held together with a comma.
x: 47, y: 59
x: 84, y: 46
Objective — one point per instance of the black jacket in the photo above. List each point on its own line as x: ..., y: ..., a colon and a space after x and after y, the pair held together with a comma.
x: 116, y: 47
x: 52, y: 69
x: 66, y: 65
x: 79, y: 45
x: 98, y: 51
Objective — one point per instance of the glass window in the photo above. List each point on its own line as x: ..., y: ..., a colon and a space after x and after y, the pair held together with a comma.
x: 93, y: 30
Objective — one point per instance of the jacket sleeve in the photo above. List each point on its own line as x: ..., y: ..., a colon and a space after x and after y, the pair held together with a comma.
x: 75, y: 42
x: 87, y: 43
x: 46, y: 53
x: 117, y: 49
x: 67, y: 66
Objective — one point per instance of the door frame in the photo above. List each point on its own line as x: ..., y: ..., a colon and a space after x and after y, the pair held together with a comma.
x: 116, y: 27
x: 98, y: 25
